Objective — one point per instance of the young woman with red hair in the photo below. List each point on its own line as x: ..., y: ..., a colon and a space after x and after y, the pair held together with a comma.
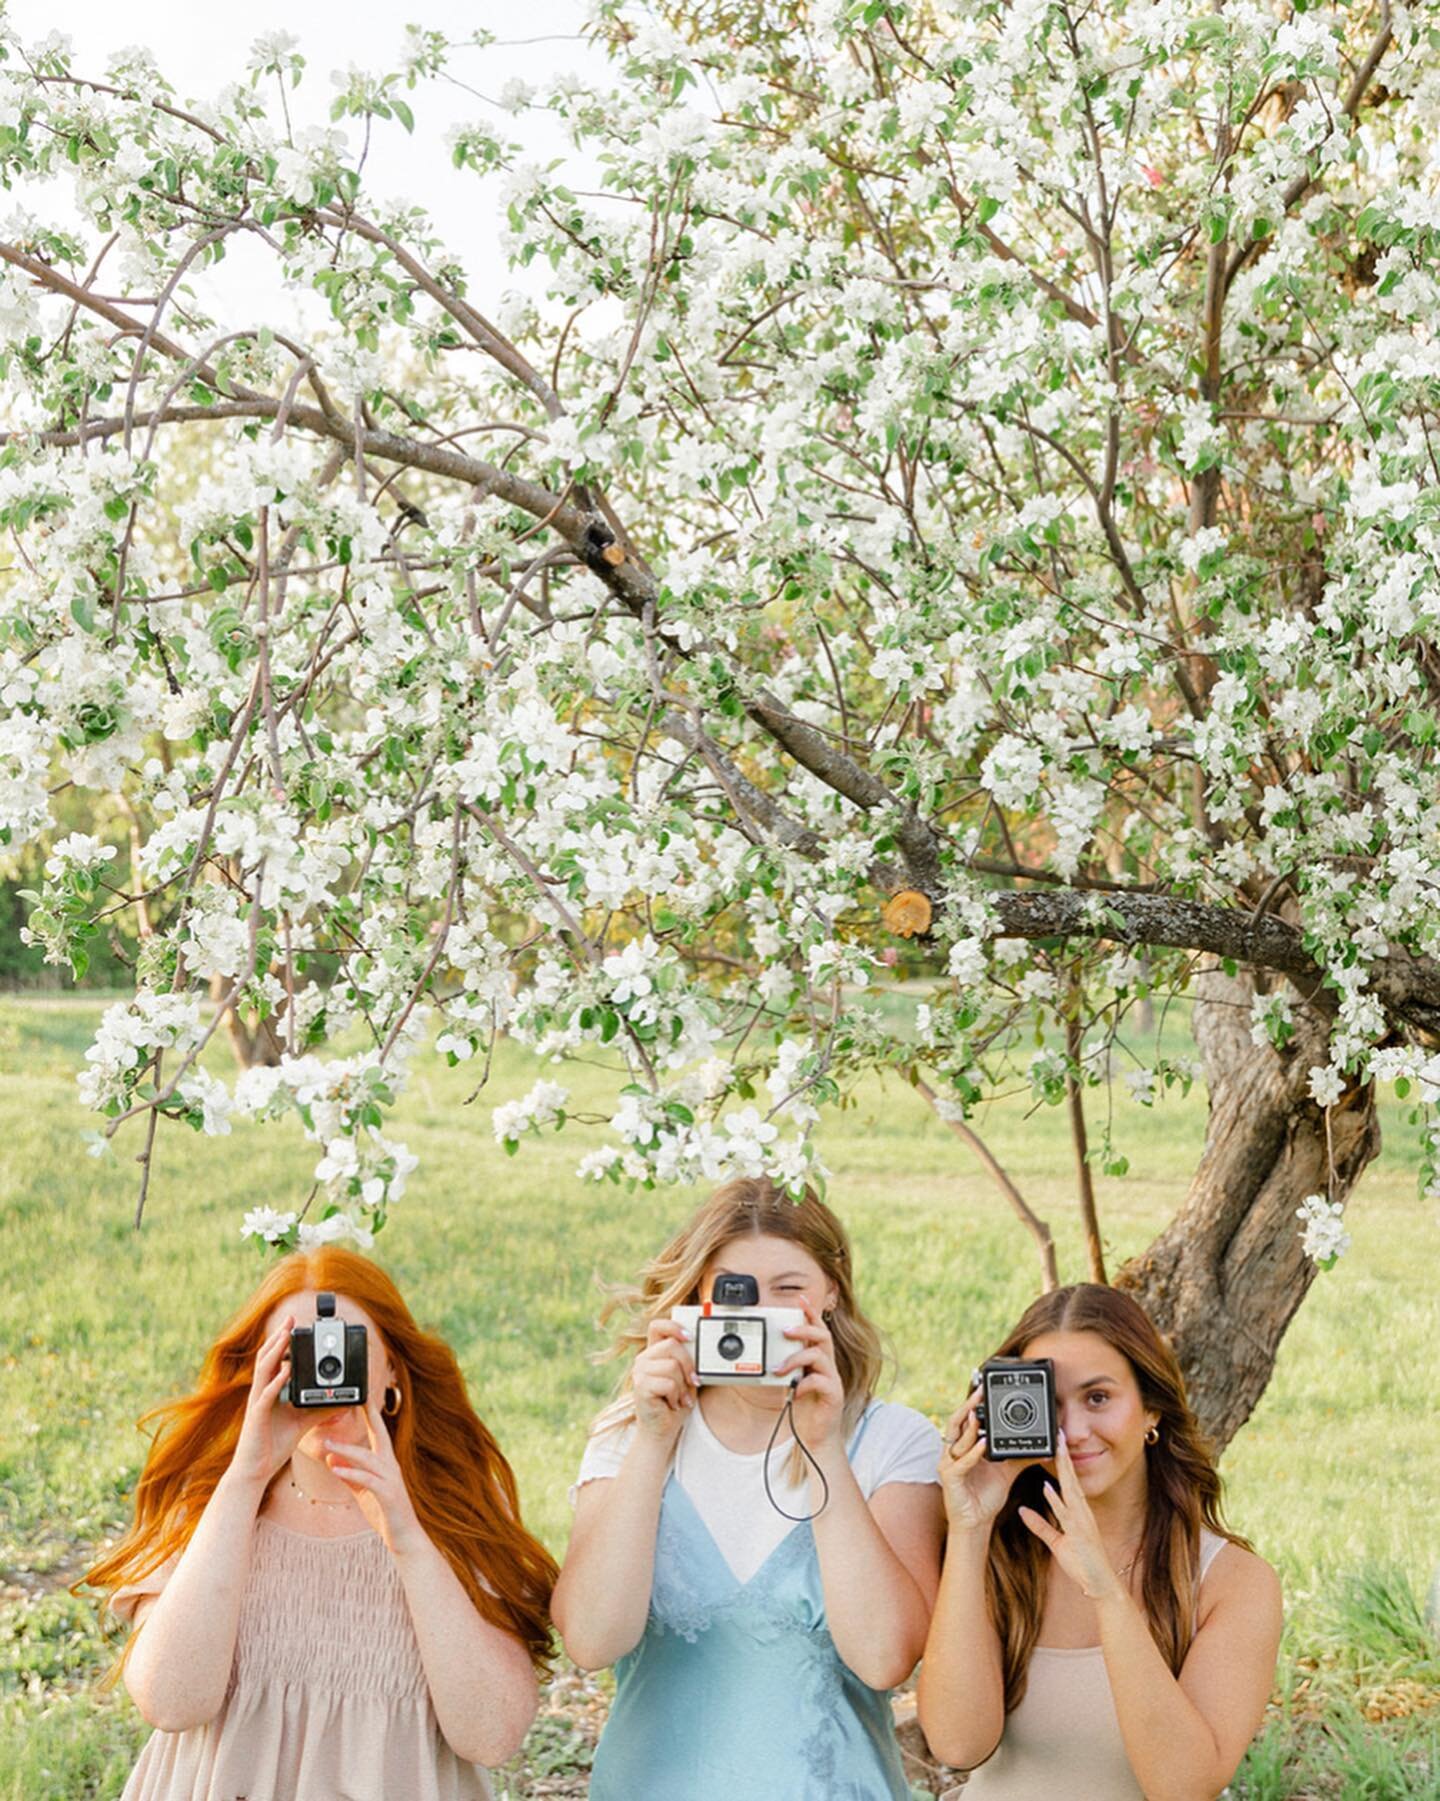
x: 1099, y: 1630
x: 336, y: 1603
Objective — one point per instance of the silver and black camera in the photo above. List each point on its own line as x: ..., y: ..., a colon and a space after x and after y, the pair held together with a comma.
x: 329, y: 1361
x: 736, y: 1340
x: 1017, y: 1408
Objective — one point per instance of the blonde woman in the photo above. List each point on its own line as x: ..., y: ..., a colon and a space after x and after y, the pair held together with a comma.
x: 1100, y: 1633
x: 755, y: 1651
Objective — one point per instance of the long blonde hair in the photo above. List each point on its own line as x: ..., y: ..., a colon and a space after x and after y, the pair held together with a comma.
x: 746, y: 1208
x: 1182, y: 1491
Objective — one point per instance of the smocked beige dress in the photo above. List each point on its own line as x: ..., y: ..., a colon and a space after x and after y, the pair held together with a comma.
x: 327, y: 1698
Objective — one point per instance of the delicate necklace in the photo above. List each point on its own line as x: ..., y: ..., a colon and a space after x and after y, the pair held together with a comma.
x: 1120, y: 1574
x: 313, y: 1500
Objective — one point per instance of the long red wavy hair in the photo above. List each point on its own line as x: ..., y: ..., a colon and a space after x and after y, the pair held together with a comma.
x: 462, y: 1488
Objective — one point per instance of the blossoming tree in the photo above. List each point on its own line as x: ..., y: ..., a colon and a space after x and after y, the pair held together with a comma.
x: 969, y: 497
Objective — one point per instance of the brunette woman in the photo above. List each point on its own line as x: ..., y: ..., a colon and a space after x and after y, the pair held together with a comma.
x: 1100, y: 1634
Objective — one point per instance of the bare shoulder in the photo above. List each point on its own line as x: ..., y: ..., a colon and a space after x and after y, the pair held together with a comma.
x: 1240, y: 1581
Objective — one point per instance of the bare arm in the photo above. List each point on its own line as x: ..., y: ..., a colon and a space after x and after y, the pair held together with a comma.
x: 1185, y: 1738
x: 179, y: 1665
x: 481, y: 1680
x: 962, y: 1679
x: 880, y: 1560
x: 879, y: 1569
x: 961, y: 1693
x: 602, y: 1599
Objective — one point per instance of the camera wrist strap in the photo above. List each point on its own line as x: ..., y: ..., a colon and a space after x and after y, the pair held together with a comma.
x: 787, y: 1412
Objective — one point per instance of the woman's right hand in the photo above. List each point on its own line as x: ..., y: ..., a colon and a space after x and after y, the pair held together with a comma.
x: 269, y: 1432
x: 663, y: 1380
x: 974, y: 1488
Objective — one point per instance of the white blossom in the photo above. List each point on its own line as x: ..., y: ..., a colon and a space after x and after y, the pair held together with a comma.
x: 1323, y: 1236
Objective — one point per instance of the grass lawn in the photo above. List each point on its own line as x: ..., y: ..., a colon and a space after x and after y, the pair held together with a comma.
x: 1335, y: 1478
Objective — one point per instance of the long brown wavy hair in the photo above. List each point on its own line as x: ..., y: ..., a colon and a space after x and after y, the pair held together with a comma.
x: 746, y: 1208
x: 1182, y: 1494
x: 462, y: 1488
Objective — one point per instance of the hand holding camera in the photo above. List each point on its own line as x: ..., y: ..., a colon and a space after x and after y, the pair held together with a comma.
x: 663, y: 1380
x: 1007, y: 1423
x: 819, y: 1410
x: 300, y: 1371
x: 268, y: 1433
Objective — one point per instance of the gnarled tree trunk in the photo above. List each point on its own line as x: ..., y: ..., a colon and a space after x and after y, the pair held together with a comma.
x: 1226, y: 1276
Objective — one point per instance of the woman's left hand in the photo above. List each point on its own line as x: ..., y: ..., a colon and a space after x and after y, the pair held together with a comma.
x: 1074, y: 1540
x: 820, y: 1395
x: 373, y: 1475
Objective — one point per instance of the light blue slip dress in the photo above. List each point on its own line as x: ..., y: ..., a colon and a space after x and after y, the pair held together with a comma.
x: 736, y: 1692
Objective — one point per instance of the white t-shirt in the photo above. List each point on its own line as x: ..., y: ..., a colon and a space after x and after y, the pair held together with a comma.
x: 727, y: 1489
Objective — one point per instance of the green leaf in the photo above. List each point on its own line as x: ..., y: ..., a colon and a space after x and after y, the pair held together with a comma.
x: 403, y: 113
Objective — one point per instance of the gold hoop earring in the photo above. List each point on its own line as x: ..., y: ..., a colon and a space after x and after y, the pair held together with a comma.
x: 1152, y: 1435
x: 385, y: 1406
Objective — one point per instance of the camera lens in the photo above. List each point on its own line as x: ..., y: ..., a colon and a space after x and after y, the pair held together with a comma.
x: 328, y: 1368
x: 729, y: 1346
x: 1018, y: 1413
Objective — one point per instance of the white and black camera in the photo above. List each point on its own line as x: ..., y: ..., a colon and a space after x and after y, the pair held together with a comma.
x: 329, y: 1361
x: 1017, y: 1408
x: 734, y: 1339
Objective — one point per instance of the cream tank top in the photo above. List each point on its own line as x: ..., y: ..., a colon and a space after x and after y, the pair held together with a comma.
x: 1063, y: 1743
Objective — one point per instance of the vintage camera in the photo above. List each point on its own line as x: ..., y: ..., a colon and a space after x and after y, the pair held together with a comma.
x: 329, y: 1361
x: 1017, y: 1409
x: 737, y: 1341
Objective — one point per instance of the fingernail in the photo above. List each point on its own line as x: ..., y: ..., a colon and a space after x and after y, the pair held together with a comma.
x: 1063, y: 1439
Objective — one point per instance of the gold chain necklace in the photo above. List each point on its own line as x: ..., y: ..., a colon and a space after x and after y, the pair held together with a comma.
x: 1120, y: 1574
x: 314, y: 1500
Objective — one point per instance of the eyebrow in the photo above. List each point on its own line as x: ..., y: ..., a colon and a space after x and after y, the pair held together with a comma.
x: 785, y: 1275
x: 1095, y: 1381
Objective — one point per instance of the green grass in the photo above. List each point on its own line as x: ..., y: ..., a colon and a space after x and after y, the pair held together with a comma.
x: 1335, y: 1475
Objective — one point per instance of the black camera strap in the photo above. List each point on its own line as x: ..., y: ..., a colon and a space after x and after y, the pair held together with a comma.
x: 787, y: 1412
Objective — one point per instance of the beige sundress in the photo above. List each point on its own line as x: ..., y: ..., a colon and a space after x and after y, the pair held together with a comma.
x: 1063, y: 1742
x: 327, y: 1698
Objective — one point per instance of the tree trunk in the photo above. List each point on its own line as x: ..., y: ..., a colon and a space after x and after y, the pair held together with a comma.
x: 1226, y: 1276
x: 255, y: 1046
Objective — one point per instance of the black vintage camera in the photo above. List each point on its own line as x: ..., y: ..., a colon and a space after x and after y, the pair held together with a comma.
x: 1017, y: 1408
x: 329, y: 1361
